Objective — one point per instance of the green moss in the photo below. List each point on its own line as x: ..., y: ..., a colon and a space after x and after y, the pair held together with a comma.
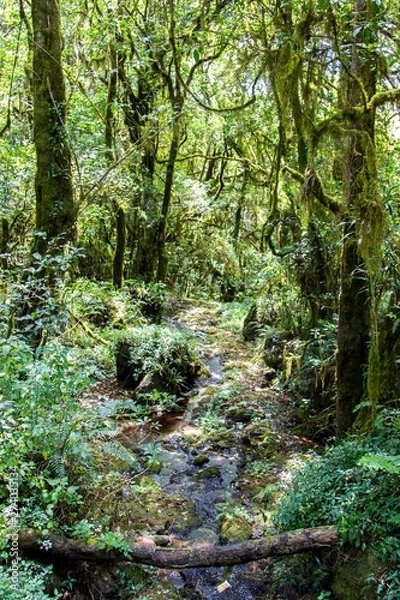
x: 235, y: 530
x: 162, y: 590
x: 143, y: 507
x: 352, y: 579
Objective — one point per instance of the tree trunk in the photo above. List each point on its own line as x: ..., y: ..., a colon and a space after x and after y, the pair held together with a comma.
x: 5, y: 238
x: 120, y: 244
x: 169, y: 179
x: 119, y: 254
x: 55, y: 211
x: 59, y: 548
x: 353, y: 332
x: 137, y: 107
x: 357, y: 357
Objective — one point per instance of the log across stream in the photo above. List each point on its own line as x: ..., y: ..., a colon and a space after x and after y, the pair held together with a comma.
x: 56, y: 548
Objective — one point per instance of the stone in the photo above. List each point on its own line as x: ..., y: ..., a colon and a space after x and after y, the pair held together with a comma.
x: 208, y: 472
x: 235, y: 530
x: 200, y: 460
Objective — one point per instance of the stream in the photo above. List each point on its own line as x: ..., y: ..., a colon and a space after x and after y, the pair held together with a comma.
x: 178, y: 475
x: 210, y: 473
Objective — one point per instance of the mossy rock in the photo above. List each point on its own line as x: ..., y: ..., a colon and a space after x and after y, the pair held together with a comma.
x: 162, y: 590
x: 352, y: 576
x: 147, y: 508
x: 235, y: 530
x: 165, y: 354
x: 208, y: 472
x: 203, y: 537
x: 200, y: 460
x: 251, y: 325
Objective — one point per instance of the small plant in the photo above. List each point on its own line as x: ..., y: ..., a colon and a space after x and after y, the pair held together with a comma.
x: 258, y: 468
x: 230, y: 509
x: 160, y: 401
x: 33, y: 581
x: 165, y: 352
x: 152, y: 453
x: 114, y: 540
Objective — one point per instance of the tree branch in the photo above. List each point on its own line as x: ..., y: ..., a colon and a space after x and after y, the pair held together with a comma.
x: 312, y: 185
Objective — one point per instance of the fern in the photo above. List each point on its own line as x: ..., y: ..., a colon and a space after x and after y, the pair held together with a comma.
x: 57, y: 466
x: 117, y: 450
x: 384, y: 462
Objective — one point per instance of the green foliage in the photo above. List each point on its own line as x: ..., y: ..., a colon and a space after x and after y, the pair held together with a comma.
x: 33, y: 580
x: 102, y: 306
x: 43, y: 429
x: 54, y: 443
x: 34, y: 305
x: 233, y: 314
x: 149, y: 297
x: 158, y: 349
x: 355, y: 486
x: 230, y: 509
x: 114, y: 541
x: 279, y: 302
x: 384, y: 462
x: 310, y: 374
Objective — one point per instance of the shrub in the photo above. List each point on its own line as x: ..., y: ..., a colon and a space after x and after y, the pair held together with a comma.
x: 159, y: 350
x: 355, y: 486
x: 43, y: 429
x: 33, y: 580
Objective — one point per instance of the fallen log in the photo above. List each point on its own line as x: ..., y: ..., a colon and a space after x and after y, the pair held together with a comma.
x: 55, y: 548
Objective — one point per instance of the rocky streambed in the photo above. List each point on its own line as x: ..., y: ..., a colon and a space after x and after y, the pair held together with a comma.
x: 216, y: 470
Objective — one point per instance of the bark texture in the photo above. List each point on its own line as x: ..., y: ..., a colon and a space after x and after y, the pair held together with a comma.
x: 54, y: 548
x: 357, y: 369
x: 55, y: 213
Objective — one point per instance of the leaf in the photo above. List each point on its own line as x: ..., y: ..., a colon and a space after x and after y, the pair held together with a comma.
x: 196, y: 54
x: 390, y: 464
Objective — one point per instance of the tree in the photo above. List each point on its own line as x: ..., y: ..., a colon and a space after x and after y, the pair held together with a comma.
x: 55, y: 211
x: 358, y: 355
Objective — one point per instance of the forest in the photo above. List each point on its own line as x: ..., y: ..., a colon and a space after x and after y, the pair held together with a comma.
x: 200, y: 299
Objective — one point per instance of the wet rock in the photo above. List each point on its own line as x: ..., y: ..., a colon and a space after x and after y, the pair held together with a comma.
x: 200, y: 460
x: 150, y: 382
x: 235, y: 530
x: 147, y: 508
x: 207, y: 472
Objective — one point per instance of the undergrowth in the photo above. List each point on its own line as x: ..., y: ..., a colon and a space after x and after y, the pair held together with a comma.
x: 355, y: 486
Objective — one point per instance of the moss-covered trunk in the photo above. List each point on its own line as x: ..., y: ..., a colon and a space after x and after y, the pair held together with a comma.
x: 169, y: 179
x: 55, y: 212
x: 119, y: 253
x: 353, y: 331
x: 357, y: 355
